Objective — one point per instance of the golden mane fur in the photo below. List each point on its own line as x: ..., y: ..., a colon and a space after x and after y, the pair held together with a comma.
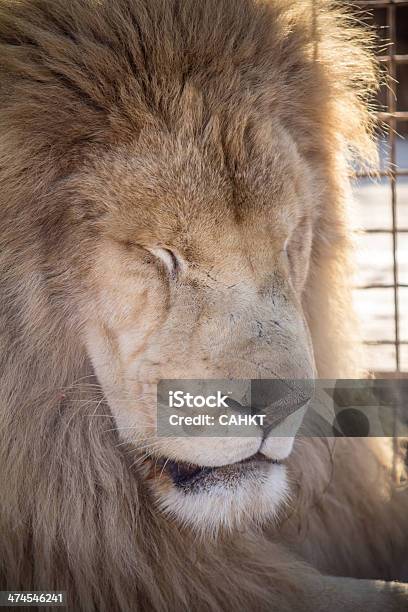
x: 79, y: 77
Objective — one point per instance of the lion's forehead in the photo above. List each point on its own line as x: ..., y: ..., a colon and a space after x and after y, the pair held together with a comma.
x: 180, y: 196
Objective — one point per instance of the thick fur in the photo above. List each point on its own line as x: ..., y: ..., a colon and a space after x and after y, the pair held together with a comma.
x: 79, y: 79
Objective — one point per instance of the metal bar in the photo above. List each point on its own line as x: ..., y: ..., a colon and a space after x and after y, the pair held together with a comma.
x: 399, y: 115
x: 399, y: 59
x: 385, y: 342
x: 402, y: 230
x: 381, y: 174
x: 384, y: 374
x: 392, y: 108
x: 382, y: 286
x: 380, y: 3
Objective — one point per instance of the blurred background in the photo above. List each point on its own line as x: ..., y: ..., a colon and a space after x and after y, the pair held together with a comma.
x: 381, y: 219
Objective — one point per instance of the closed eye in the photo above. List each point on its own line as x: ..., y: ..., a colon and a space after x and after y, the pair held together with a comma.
x: 172, y: 263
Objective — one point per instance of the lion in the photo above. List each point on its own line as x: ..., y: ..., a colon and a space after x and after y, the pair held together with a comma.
x: 174, y: 204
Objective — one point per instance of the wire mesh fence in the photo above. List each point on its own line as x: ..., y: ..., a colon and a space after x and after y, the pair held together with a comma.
x: 386, y: 232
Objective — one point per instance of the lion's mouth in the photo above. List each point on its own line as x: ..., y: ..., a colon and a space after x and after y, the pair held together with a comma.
x: 189, y: 477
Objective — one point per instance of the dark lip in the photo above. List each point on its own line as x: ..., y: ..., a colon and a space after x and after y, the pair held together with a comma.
x: 185, y: 475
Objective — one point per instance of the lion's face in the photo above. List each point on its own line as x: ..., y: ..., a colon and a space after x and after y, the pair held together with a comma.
x: 198, y: 273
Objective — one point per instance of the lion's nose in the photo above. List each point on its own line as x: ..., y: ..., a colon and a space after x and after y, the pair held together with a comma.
x: 277, y: 399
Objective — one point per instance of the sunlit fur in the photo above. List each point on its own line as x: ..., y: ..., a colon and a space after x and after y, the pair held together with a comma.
x: 82, y: 84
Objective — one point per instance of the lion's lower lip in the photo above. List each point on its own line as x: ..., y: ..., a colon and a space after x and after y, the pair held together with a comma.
x: 187, y: 475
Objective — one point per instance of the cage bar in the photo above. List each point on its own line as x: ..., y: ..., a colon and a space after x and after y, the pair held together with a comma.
x: 391, y: 116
